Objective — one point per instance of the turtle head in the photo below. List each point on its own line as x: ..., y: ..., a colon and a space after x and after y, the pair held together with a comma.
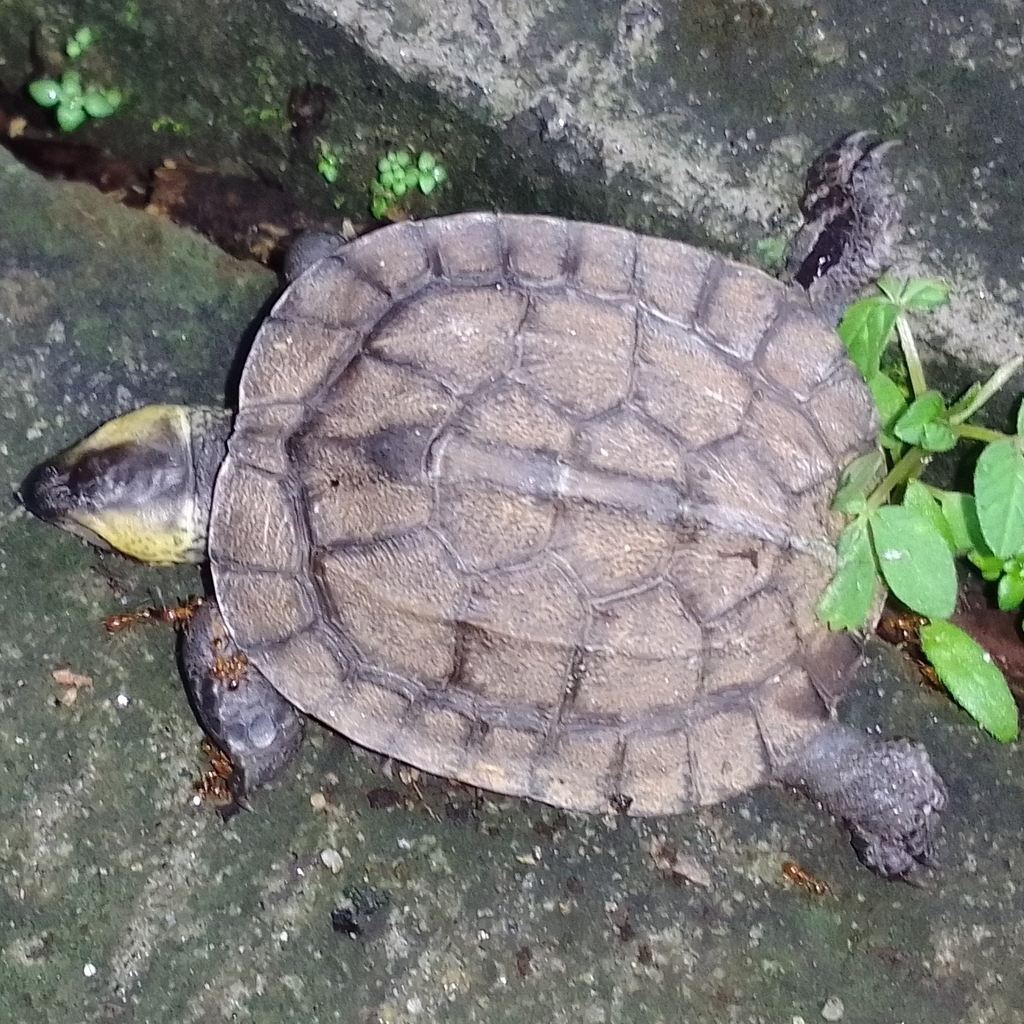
x: 141, y: 484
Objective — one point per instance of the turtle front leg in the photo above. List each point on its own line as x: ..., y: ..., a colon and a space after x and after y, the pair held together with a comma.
x: 308, y: 248
x: 885, y: 791
x: 239, y: 710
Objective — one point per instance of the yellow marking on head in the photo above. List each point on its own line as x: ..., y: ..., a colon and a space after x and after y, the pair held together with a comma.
x: 150, y: 424
x: 138, y: 537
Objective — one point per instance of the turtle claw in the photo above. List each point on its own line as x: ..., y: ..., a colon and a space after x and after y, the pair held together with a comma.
x: 903, y: 855
x: 895, y: 831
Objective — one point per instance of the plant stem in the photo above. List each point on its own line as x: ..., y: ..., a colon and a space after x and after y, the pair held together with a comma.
x: 910, y: 355
x: 985, y: 392
x: 975, y: 433
x: 911, y: 463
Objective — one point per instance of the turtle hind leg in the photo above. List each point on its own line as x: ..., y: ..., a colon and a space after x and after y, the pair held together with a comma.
x: 243, y: 715
x: 885, y: 791
x: 852, y: 215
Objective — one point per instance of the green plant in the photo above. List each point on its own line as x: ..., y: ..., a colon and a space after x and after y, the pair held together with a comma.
x: 79, y: 42
x: 73, y: 101
x: 163, y: 123
x: 398, y: 173
x: 254, y: 116
x: 328, y: 162
x: 906, y: 533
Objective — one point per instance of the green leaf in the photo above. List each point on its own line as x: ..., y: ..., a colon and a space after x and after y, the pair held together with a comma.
x: 865, y: 330
x: 890, y: 287
x: 889, y: 399
x: 924, y: 424
x: 917, y: 497
x: 974, y: 680
x: 1010, y: 591
x: 914, y: 560
x: 84, y: 37
x: 923, y: 293
x: 440, y: 175
x: 96, y: 104
x: 858, y: 479
x: 70, y: 115
x: 71, y: 85
x: 999, y: 493
x: 990, y: 566
x: 849, y: 599
x: 399, y: 187
x: 961, y: 514
x: 427, y: 183
x: 403, y: 158
x: 45, y: 92
x: 426, y: 162
x: 938, y: 437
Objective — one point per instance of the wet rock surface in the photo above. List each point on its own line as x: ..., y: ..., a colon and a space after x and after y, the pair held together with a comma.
x: 709, y: 112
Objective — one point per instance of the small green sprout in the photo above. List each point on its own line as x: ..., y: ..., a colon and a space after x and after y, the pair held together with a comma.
x: 73, y: 101
x: 328, y: 164
x: 253, y: 116
x: 74, y: 104
x: 79, y: 42
x: 904, y: 533
x: 398, y: 173
x: 163, y: 123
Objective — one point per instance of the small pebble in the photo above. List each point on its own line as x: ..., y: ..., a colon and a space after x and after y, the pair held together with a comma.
x: 89, y: 970
x: 833, y: 1009
x: 318, y: 802
x: 332, y: 859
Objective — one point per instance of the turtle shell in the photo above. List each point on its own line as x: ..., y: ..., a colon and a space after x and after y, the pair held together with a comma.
x: 543, y: 507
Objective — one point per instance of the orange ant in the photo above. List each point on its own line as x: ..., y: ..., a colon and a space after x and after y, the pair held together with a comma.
x: 227, y: 668
x: 903, y: 631
x: 797, y: 875
x: 214, y: 785
x: 176, y: 615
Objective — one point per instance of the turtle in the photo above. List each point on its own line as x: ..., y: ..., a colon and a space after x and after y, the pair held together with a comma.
x: 538, y: 505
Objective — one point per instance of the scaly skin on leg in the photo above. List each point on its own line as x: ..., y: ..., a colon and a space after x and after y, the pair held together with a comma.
x: 308, y: 248
x: 885, y: 791
x: 235, y: 704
